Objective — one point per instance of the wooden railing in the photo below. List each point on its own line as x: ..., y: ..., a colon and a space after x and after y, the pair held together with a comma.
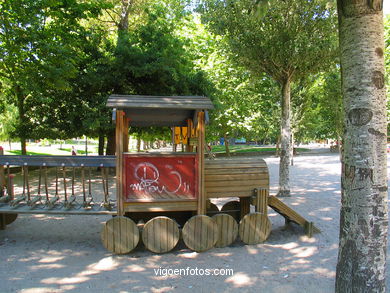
x: 63, y: 184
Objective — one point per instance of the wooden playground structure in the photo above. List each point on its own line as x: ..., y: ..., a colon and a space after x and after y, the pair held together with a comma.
x: 160, y: 197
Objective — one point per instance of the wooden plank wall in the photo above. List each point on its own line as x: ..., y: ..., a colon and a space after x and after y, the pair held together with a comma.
x: 235, y: 177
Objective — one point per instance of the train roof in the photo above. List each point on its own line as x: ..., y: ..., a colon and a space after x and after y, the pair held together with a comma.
x: 159, y: 110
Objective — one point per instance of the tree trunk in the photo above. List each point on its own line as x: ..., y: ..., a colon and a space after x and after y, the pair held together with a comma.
x: 111, y: 145
x: 101, y: 145
x: 292, y: 148
x: 285, y: 141
x: 227, y: 150
x: 363, y: 217
x: 22, y: 119
x: 138, y: 144
x: 86, y: 145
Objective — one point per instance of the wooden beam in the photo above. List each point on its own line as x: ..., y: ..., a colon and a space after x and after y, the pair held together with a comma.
x: 189, y: 148
x: 262, y: 201
x: 245, y: 206
x: 119, y: 159
x: 200, y: 150
x: 126, y: 122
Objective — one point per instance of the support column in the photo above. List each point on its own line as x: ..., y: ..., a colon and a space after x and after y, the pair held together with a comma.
x: 200, y: 150
x: 119, y: 130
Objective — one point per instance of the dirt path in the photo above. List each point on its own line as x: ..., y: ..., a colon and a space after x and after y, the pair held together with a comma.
x: 64, y: 254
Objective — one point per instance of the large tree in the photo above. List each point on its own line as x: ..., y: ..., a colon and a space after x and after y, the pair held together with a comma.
x: 364, y: 216
x: 37, y: 51
x: 289, y: 40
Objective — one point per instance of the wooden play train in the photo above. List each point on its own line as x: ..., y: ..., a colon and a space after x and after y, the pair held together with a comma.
x: 160, y: 197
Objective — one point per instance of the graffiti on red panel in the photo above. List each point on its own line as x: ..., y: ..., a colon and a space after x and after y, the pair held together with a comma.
x: 164, y: 178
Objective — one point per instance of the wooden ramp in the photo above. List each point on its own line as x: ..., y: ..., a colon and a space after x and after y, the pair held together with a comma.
x: 292, y: 216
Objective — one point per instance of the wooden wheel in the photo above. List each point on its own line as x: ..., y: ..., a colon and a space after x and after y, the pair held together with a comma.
x: 120, y: 235
x: 227, y: 229
x: 212, y: 209
x: 254, y: 228
x: 232, y: 208
x: 200, y: 233
x: 160, y: 234
x: 9, y: 218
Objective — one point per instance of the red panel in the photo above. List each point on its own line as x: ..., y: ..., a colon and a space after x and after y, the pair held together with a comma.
x: 160, y: 177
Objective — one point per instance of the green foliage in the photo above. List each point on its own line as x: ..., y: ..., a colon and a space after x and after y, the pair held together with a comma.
x: 290, y: 40
x: 317, y: 106
x: 39, y: 44
x: 8, y: 120
x: 218, y: 149
x: 286, y: 40
x: 244, y: 105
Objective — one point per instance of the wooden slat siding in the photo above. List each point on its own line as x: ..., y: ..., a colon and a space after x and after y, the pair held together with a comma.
x: 245, y: 206
x: 227, y: 229
x: 262, y: 201
x: 235, y: 177
x: 119, y: 161
x: 161, y: 102
x: 167, y: 206
x: 226, y: 164
x: 222, y: 194
x: 160, y: 234
x: 118, y: 246
x: 254, y: 228
x: 200, y: 233
x: 247, y: 189
x: 236, y: 183
x: 287, y: 212
x: 234, y: 170
x: 230, y: 177
x: 201, y: 165
x: 120, y: 235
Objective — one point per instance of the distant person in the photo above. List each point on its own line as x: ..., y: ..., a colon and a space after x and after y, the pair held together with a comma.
x: 74, y: 153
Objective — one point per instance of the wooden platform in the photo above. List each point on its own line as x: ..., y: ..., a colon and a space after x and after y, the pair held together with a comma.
x: 59, y: 209
x: 290, y: 215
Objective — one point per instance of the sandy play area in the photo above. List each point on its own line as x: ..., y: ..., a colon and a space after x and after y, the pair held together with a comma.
x: 64, y: 254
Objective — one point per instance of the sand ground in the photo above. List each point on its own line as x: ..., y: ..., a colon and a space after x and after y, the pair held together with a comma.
x: 41, y: 253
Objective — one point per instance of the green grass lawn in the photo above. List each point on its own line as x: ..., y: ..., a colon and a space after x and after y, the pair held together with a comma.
x: 19, y: 152
x: 220, y: 149
x: 79, y: 152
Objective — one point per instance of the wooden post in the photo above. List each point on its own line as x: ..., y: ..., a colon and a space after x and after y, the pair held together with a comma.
x: 2, y: 222
x: 261, y: 200
x: 126, y: 122
x: 119, y: 153
x: 309, y: 229
x: 200, y: 150
x: 245, y: 206
x: 190, y: 148
x: 10, y: 187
